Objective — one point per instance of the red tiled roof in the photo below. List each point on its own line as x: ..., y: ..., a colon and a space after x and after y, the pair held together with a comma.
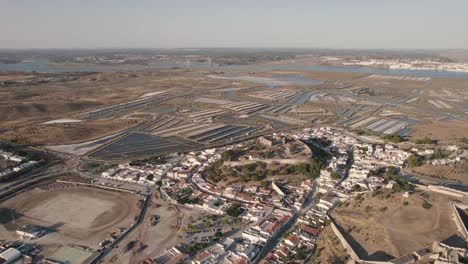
x: 271, y: 228
x: 283, y: 219
x: 294, y: 239
x: 310, y: 230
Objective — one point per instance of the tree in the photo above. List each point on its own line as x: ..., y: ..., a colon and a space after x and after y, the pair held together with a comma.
x: 300, y: 254
x: 335, y: 176
x: 234, y: 210
x: 415, y: 161
x: 393, y: 138
x: 426, y: 205
x: 315, y: 167
x: 218, y: 234
x: 317, y: 197
x: 356, y: 188
x: 150, y: 177
x: 439, y: 154
x: 426, y: 140
x: 265, y: 184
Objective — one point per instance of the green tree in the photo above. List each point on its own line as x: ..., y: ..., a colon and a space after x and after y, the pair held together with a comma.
x: 315, y: 167
x: 426, y: 205
x: 234, y: 210
x: 415, y: 161
x: 335, y: 176
x: 425, y: 140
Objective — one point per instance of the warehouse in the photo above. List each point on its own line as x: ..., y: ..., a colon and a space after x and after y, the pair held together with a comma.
x: 9, y: 255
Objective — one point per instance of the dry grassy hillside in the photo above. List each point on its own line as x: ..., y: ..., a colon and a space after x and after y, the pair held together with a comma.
x: 389, y: 225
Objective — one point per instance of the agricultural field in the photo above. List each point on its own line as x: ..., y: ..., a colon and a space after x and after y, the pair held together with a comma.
x: 95, y: 112
x: 138, y: 145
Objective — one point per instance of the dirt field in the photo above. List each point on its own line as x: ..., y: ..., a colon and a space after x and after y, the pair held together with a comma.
x: 75, y: 215
x: 383, y: 228
x: 447, y: 132
x: 155, y: 239
x: 329, y: 249
x: 457, y: 172
x: 69, y: 133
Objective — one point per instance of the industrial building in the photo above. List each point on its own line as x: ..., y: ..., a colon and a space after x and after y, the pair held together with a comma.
x: 9, y: 255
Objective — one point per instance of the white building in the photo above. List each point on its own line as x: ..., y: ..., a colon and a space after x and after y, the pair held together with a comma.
x: 9, y: 255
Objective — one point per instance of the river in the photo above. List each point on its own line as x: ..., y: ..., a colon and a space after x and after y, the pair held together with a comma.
x: 42, y: 66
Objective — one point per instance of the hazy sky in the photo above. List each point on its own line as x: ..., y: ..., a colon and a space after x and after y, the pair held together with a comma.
x: 234, y: 23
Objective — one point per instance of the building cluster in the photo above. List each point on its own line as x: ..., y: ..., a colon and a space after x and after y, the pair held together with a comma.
x: 411, y: 64
x: 445, y: 161
x: 267, y: 227
x: 30, y: 232
x: 362, y: 157
x: 298, y: 245
x: 456, y: 155
x: 22, y: 164
x: 267, y: 211
x: 16, y: 251
x: 369, y: 157
x: 147, y: 174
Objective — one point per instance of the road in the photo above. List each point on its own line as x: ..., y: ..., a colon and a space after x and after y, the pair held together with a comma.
x: 273, y: 241
x: 420, y: 179
x: 100, y: 255
x: 20, y: 185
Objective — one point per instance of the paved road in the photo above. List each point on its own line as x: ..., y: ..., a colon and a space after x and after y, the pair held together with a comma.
x: 273, y: 241
x: 20, y: 185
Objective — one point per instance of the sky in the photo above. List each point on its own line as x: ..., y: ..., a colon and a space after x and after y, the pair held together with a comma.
x: 336, y: 24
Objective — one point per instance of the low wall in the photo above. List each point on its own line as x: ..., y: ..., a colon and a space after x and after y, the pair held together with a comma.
x: 267, y: 161
x: 459, y: 221
x: 344, y: 242
x: 443, y: 190
x: 98, y: 186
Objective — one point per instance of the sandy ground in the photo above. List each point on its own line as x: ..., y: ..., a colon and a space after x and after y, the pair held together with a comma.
x: 448, y: 132
x: 155, y: 239
x: 79, y: 215
x: 381, y: 234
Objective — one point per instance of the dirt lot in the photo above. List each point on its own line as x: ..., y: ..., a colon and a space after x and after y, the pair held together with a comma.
x: 69, y: 133
x: 75, y: 215
x: 155, y: 239
x: 447, y: 132
x: 381, y: 228
x: 457, y: 172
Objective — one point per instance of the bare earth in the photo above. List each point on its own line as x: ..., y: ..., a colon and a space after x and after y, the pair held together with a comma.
x: 79, y: 215
x: 381, y: 234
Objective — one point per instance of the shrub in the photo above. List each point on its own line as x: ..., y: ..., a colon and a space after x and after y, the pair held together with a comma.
x: 415, y: 161
x: 393, y: 138
x: 426, y: 205
x: 234, y: 210
x: 425, y: 140
x: 335, y: 176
